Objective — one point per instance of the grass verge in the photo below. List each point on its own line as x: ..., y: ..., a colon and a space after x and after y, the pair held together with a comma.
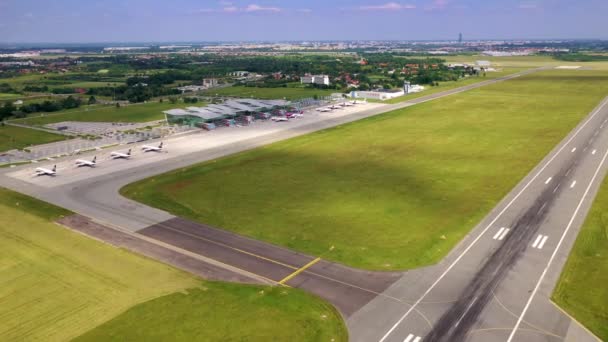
x: 582, y: 289
x: 12, y: 137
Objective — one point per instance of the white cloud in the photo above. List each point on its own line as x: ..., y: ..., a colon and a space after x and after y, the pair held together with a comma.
x: 389, y: 6
x: 304, y: 10
x: 258, y: 8
x: 230, y: 9
x: 438, y: 4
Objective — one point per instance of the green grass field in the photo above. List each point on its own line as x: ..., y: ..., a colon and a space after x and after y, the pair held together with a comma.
x: 12, y: 137
x: 56, y: 285
x: 455, y: 84
x: 523, y: 61
x: 271, y: 93
x: 6, y: 96
x: 131, y: 113
x: 88, y: 85
x: 394, y: 191
x: 582, y: 289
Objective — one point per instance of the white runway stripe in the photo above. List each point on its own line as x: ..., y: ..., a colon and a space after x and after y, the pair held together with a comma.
x: 593, y: 152
x: 498, y: 233
x: 542, y: 242
x: 537, y: 241
x: 502, y: 236
x: 572, y: 185
x: 412, y: 338
x: 548, y: 180
x: 574, y: 149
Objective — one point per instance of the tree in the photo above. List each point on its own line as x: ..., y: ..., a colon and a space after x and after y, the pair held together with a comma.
x: 117, y: 105
x: 173, y: 99
x: 92, y: 100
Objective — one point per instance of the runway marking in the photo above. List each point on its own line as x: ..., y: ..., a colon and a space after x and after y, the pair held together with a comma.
x: 559, y: 243
x: 548, y: 180
x: 574, y: 149
x: 483, y: 232
x: 557, y: 187
x: 502, y: 232
x: 568, y: 172
x: 540, y: 241
x: 573, y: 184
x: 298, y: 271
x: 466, y: 311
x: 541, y: 208
x: 593, y: 152
x: 410, y: 337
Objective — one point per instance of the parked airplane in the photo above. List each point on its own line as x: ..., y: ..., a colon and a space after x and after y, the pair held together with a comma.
x: 89, y: 163
x: 119, y: 155
x: 324, y: 109
x: 148, y: 148
x: 40, y: 171
x: 335, y: 107
x: 279, y: 118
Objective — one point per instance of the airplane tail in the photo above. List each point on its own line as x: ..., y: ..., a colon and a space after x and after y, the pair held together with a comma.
x: 161, y: 145
x: 129, y: 152
x: 54, y: 168
x: 94, y: 159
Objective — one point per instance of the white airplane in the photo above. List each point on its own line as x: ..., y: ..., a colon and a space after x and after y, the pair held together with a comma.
x: 148, y: 148
x: 348, y: 104
x: 279, y: 118
x: 89, y: 163
x: 335, y: 107
x: 324, y: 109
x: 40, y: 171
x: 119, y: 155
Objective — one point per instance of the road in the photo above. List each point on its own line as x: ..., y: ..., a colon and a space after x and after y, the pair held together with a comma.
x: 494, y: 285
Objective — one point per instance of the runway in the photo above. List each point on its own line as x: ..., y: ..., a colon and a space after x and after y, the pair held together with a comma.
x: 494, y: 286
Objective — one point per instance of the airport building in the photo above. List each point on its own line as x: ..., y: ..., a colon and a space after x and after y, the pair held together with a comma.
x: 231, y: 109
x: 387, y: 94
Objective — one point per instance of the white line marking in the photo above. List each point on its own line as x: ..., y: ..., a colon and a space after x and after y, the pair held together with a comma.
x: 417, y: 339
x: 466, y: 311
x: 537, y: 241
x: 409, y: 338
x: 533, y: 179
x: 561, y: 240
x: 499, y: 233
x: 542, y: 242
x: 503, y: 234
x: 574, y: 149
x: 568, y: 172
x: 593, y: 152
x: 548, y: 180
x: 572, y: 185
x: 557, y: 187
x: 541, y: 208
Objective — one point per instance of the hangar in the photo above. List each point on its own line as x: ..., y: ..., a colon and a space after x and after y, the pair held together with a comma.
x: 197, y: 116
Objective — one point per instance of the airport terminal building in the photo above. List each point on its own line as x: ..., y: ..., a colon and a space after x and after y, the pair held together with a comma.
x: 231, y: 109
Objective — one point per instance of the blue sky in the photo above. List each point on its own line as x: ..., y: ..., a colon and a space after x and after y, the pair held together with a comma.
x: 240, y: 20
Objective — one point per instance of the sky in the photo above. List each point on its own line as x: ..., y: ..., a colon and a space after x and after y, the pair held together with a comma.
x: 80, y: 21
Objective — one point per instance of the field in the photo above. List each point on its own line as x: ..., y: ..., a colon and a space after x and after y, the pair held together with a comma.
x: 4, y: 96
x: 131, y: 113
x: 271, y: 93
x: 394, y: 191
x: 455, y: 84
x: 56, y: 285
x: 524, y: 61
x: 582, y: 290
x: 12, y: 137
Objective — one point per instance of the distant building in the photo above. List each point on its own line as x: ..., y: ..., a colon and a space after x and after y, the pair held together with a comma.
x: 483, y: 64
x: 387, y: 94
x: 210, y: 82
x: 315, y: 79
x: 239, y: 73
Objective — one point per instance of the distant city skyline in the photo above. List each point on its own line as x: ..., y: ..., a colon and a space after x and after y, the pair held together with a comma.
x: 66, y: 21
